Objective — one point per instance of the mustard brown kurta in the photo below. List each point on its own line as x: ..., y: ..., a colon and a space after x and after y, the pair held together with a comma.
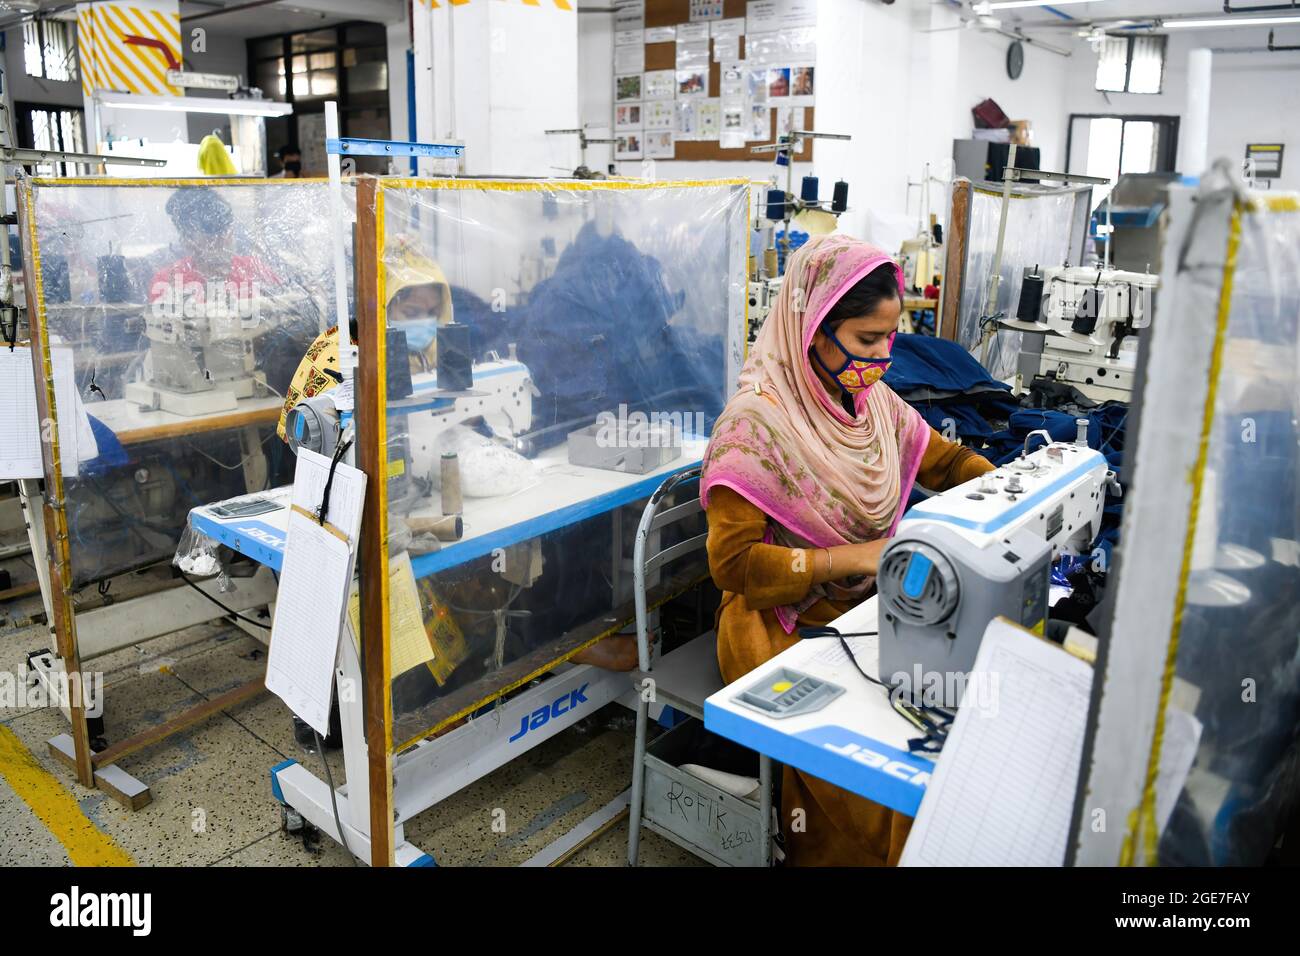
x: 838, y: 828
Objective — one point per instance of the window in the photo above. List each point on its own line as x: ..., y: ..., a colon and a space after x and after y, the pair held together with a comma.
x: 1108, y: 146
x: 50, y: 50
x: 41, y: 127
x: 346, y: 63
x: 1133, y: 64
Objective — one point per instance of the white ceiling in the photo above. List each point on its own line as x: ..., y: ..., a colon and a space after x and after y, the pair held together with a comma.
x: 1114, y: 9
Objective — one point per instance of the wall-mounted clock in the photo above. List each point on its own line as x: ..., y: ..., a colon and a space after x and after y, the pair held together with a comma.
x: 1015, y: 60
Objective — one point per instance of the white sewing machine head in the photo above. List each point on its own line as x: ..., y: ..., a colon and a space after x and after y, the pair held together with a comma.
x: 980, y: 550
x: 1089, y: 317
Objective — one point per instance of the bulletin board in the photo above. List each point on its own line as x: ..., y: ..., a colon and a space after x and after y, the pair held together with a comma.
x: 663, y: 56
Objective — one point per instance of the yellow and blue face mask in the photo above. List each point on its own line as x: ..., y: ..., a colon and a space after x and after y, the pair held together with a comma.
x: 858, y: 372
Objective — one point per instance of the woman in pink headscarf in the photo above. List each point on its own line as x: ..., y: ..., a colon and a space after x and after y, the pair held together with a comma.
x: 808, y: 472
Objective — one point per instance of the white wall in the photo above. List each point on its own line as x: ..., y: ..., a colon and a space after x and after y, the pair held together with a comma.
x: 497, y: 76
x: 223, y: 53
x: 1254, y: 97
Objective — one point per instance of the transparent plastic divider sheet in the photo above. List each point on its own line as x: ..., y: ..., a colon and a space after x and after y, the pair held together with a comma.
x: 555, y: 349
x: 188, y: 305
x: 1239, y: 644
x: 1040, y: 232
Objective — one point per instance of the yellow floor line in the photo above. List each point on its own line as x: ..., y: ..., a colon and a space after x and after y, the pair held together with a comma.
x: 55, y: 807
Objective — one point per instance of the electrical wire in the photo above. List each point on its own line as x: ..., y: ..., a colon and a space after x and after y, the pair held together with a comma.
x: 221, y: 464
x: 815, y: 632
x: 329, y: 779
x: 228, y: 610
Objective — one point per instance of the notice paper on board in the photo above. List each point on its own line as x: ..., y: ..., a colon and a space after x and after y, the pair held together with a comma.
x: 314, y: 582
x: 1003, y: 791
x: 20, y: 440
x: 409, y: 641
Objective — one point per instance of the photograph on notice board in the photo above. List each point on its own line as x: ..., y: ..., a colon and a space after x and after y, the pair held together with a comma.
x: 627, y: 87
x: 659, y: 144
x: 692, y: 82
x: 627, y: 145
x: 627, y: 116
x: 778, y: 82
x: 760, y: 118
x: 801, y: 83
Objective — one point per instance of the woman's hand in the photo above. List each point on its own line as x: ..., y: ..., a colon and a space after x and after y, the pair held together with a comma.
x: 848, y: 560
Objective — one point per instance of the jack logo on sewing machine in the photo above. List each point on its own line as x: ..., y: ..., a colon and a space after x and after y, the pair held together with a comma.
x: 260, y: 534
x: 870, y: 753
x: 561, y: 705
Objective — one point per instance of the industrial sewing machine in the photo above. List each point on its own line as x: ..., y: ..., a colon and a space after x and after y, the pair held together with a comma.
x: 762, y: 296
x: 980, y: 550
x: 203, y: 355
x: 1083, y: 323
x: 497, y: 404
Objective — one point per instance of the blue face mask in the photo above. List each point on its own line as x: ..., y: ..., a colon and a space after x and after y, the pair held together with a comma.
x: 858, y: 372
x: 420, y: 333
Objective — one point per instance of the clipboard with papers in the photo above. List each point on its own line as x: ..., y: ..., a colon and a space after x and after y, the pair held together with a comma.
x: 315, y: 578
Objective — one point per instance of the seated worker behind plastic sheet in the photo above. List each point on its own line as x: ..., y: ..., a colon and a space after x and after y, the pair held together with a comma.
x: 219, y: 262
x: 806, y: 476
x: 419, y: 300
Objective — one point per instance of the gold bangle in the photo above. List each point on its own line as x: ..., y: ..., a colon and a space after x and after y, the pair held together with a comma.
x: 830, y: 563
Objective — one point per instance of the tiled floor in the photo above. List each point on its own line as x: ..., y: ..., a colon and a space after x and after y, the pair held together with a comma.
x: 212, y: 802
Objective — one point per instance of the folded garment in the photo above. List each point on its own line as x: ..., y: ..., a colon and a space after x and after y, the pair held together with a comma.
x: 925, y: 393
x: 922, y: 361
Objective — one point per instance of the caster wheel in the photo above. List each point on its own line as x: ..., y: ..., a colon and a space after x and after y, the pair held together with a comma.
x: 311, y: 839
x: 291, y: 820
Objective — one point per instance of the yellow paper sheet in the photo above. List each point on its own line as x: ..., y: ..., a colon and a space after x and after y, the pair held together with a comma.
x: 410, y: 642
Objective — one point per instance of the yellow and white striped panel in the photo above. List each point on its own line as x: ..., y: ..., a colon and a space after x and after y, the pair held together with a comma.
x: 558, y: 4
x: 109, y: 62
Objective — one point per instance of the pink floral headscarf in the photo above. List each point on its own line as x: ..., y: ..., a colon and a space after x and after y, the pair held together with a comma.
x: 823, y: 477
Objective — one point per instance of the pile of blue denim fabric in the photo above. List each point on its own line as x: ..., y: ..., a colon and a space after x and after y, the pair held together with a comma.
x: 960, y: 400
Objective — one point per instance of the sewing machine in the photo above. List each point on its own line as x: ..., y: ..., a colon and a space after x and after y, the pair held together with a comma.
x: 762, y: 296
x: 501, y: 395
x: 1087, y: 319
x: 979, y: 550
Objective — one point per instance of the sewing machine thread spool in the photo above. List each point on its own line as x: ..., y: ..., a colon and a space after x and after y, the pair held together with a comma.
x: 114, y: 282
x: 776, y: 204
x: 1030, y: 307
x: 455, y: 368
x: 446, y: 528
x: 840, y: 198
x: 452, y: 503
x: 56, y: 281
x: 808, y: 189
